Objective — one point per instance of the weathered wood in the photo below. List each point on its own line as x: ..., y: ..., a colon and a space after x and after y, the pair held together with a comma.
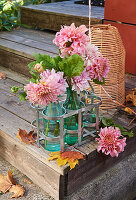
x: 49, y: 48
x: 53, y: 16
x: 15, y: 62
x: 96, y: 164
x: 35, y: 35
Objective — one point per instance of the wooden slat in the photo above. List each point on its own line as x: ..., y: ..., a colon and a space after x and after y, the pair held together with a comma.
x: 15, y: 62
x: 41, y: 36
x: 20, y: 49
x: 53, y: 16
x: 49, y: 48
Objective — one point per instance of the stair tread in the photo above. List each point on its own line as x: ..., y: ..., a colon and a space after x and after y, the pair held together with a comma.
x: 69, y: 8
x: 25, y: 46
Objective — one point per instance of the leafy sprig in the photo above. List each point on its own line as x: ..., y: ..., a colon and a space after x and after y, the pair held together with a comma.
x: 105, y: 122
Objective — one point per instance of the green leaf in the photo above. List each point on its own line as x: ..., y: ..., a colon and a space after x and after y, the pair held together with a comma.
x: 99, y: 82
x: 128, y: 133
x: 72, y: 66
x: 120, y: 127
x: 14, y: 89
x: 22, y: 96
x: 107, y: 122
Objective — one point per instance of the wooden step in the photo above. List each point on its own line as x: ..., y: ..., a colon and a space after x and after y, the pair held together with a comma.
x: 52, y: 16
x: 31, y: 160
x: 17, y: 48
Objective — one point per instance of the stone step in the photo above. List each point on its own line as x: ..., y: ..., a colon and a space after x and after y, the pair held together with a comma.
x: 17, y: 48
x: 52, y: 16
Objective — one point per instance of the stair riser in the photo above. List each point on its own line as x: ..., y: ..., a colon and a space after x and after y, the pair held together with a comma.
x: 50, y: 20
x: 15, y: 62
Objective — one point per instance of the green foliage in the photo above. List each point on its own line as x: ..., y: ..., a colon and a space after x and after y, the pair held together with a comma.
x: 10, y: 14
x: 22, y: 96
x: 105, y: 122
x: 98, y: 82
x: 14, y: 89
x: 72, y: 65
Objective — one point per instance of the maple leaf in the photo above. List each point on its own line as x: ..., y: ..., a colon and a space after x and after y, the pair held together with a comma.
x: 2, y: 75
x: 18, y: 191
x: 70, y: 157
x: 131, y: 96
x: 6, y: 182
x: 24, y: 137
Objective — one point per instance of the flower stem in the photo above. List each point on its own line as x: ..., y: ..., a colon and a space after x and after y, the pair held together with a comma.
x: 47, y: 129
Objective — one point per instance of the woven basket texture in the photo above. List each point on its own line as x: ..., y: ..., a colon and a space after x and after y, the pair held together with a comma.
x: 110, y: 45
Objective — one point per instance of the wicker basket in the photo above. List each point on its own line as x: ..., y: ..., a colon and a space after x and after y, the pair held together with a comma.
x: 108, y: 40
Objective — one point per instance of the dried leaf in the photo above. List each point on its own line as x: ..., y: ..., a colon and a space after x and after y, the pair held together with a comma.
x: 27, y: 181
x: 61, y: 161
x: 6, y: 182
x: 72, y: 155
x: 18, y: 191
x: 63, y: 158
x: 2, y: 75
x: 131, y: 96
x: 73, y: 164
x: 128, y: 110
x: 24, y: 137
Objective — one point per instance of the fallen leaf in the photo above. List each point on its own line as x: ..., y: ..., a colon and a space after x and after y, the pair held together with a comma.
x: 128, y: 110
x: 24, y: 137
x: 70, y: 157
x: 27, y: 181
x: 6, y: 182
x: 18, y: 191
x: 131, y: 96
x: 73, y: 164
x: 2, y: 75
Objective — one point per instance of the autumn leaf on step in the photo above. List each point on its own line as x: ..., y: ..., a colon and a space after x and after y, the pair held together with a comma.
x: 131, y: 96
x: 24, y: 137
x: 6, y: 182
x: 128, y: 110
x: 70, y: 157
x: 18, y: 191
x: 2, y: 75
x: 27, y: 181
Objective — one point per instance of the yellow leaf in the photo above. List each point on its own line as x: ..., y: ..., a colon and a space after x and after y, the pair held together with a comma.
x: 61, y: 161
x: 53, y: 157
x: 54, y: 153
x: 73, y: 164
x: 128, y: 110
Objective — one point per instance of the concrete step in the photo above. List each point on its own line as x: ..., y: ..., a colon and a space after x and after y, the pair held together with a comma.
x: 17, y: 48
x: 53, y: 15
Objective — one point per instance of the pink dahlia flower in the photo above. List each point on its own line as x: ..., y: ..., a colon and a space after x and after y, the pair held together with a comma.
x: 71, y: 40
x: 98, y: 68
x: 110, y: 142
x: 79, y: 83
x: 47, y: 90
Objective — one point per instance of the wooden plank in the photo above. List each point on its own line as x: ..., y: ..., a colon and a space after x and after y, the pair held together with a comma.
x: 36, y: 35
x: 38, y: 172
x: 20, y: 49
x: 53, y: 19
x: 49, y: 48
x: 15, y: 62
x: 13, y: 77
x: 96, y: 164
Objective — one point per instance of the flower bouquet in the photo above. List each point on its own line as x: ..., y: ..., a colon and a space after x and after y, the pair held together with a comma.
x: 68, y: 73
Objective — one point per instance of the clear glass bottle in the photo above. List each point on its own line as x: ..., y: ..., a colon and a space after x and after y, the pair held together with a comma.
x: 52, y: 127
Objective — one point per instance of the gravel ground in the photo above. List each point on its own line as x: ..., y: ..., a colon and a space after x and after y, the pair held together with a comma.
x: 32, y: 191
